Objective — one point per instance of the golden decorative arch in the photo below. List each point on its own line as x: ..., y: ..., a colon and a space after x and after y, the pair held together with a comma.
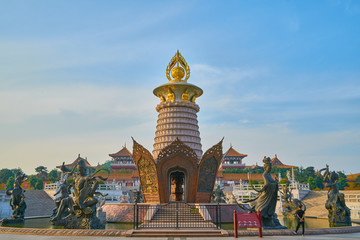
x: 146, y: 168
x: 175, y: 61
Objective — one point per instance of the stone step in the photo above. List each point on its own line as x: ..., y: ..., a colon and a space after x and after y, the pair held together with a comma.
x: 177, y: 233
x: 38, y: 203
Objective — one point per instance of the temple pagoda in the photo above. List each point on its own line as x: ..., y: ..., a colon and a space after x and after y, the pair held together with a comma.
x: 177, y: 170
x: 232, y: 159
x: 277, y: 163
x: 177, y: 110
x: 123, y: 159
x: 74, y: 163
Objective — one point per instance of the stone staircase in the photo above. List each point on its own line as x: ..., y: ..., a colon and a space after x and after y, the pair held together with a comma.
x: 315, y: 204
x: 161, y: 233
x: 38, y: 204
x: 177, y: 215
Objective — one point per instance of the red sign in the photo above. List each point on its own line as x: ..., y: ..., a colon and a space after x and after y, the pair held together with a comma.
x: 247, y: 220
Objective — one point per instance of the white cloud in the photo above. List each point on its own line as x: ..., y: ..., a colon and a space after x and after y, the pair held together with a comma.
x: 18, y: 105
x: 293, y: 148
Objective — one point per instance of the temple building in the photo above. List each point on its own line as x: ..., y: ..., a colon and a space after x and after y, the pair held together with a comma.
x: 277, y: 163
x: 232, y: 159
x: 177, y: 170
x: 123, y: 159
x: 74, y: 164
x: 177, y: 117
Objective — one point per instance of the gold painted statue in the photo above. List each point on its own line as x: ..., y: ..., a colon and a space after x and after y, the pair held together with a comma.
x: 171, y: 96
x: 185, y: 96
x: 177, y: 190
x: 194, y: 98
x: 162, y: 99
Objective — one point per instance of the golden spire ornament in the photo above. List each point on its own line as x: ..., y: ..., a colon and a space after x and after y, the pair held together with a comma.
x: 177, y: 89
x: 178, y: 68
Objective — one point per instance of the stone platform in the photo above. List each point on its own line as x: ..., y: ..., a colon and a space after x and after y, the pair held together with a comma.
x: 169, y: 232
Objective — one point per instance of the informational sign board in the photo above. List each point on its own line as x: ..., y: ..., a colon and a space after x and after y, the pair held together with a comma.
x: 247, y: 220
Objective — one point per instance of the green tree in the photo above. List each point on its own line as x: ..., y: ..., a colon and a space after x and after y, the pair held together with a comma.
x: 311, y: 183
x: 277, y: 170
x: 107, y: 164
x: 342, y: 182
x: 233, y: 170
x: 42, y: 172
x: 254, y: 182
x: 39, y: 184
x: 5, y: 174
x: 54, y: 175
x: 17, y: 170
x: 300, y: 175
x: 309, y: 172
x: 33, y: 180
x: 10, y: 183
x: 357, y: 181
x: 319, y: 182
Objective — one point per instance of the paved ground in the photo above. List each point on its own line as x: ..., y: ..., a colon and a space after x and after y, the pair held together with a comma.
x: 320, y: 237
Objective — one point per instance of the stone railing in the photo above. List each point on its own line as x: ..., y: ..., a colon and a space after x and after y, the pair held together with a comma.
x: 123, y: 164
x: 4, y: 197
x: 115, y: 193
x: 352, y: 198
x: 247, y: 187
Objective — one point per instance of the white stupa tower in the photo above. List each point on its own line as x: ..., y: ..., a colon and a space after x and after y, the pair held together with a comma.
x: 177, y: 110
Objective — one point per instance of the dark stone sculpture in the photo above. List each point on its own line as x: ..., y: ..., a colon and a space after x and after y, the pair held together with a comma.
x: 339, y: 213
x: 290, y: 206
x: 64, y: 203
x: 138, y: 196
x: 17, y: 202
x: 218, y: 195
x: 82, y: 206
x: 265, y: 201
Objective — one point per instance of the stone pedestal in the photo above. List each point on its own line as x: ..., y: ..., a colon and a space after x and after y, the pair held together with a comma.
x: 101, y: 215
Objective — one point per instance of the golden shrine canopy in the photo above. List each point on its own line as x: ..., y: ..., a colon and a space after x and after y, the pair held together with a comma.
x: 178, y: 89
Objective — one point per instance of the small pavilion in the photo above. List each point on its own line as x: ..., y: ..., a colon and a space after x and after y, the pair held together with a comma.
x: 232, y: 159
x: 123, y: 159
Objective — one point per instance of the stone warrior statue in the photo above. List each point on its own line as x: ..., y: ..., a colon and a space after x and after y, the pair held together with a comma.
x: 64, y: 203
x: 339, y: 213
x: 290, y: 206
x: 265, y: 201
x: 138, y: 196
x: 83, y: 210
x: 218, y: 195
x: 17, y: 202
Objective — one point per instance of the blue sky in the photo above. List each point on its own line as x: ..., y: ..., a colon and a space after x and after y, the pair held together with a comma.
x: 279, y: 77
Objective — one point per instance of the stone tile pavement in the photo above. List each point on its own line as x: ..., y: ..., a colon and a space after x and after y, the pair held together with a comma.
x: 319, y: 237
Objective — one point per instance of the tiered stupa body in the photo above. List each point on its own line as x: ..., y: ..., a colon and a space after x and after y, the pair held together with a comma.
x: 177, y: 110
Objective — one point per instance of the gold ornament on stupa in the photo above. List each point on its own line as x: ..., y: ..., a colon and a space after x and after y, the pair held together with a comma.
x: 178, y: 68
x: 177, y: 89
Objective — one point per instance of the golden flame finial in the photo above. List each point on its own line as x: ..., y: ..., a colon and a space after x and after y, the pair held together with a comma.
x: 178, y: 67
